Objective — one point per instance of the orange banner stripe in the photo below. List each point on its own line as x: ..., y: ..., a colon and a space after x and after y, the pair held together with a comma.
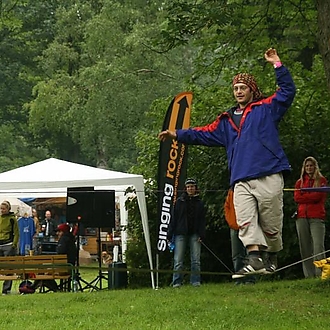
x: 175, y: 111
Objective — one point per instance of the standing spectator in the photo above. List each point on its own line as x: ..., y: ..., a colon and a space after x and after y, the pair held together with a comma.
x: 256, y: 160
x: 310, y: 215
x: 37, y: 240
x: 8, y: 237
x: 47, y: 225
x: 187, y: 226
x: 36, y: 221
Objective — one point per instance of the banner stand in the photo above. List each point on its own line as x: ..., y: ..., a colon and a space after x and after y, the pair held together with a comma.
x: 172, y: 168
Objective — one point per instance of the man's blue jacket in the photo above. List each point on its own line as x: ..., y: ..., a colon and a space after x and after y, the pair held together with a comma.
x: 253, y: 149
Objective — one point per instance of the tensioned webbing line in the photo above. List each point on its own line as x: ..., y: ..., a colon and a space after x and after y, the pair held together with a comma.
x: 167, y: 271
x: 121, y: 190
x: 301, y: 261
x: 147, y: 270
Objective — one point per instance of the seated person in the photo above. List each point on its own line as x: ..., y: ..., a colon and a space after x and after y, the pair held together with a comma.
x: 66, y: 245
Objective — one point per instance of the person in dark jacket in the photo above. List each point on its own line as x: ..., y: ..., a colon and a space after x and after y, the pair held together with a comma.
x: 187, y: 226
x: 48, y: 227
x: 310, y: 216
x: 66, y: 245
x: 256, y: 161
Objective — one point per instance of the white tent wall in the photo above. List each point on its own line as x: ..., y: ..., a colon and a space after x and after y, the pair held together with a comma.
x: 52, y: 177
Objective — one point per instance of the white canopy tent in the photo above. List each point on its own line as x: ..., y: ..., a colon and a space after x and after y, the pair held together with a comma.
x: 51, y: 178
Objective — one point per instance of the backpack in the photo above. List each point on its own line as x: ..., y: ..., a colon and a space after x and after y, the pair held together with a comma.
x: 25, y: 287
x: 229, y: 210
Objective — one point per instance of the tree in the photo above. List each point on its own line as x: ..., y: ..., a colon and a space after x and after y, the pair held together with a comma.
x: 102, y: 76
x: 323, y: 12
x: 24, y: 31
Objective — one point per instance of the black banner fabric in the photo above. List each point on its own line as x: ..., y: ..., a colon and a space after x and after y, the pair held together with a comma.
x: 172, y: 165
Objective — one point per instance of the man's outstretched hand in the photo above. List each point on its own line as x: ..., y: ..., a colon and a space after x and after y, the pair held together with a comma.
x: 164, y: 135
x: 271, y: 56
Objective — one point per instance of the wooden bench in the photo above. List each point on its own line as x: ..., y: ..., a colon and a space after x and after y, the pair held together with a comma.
x: 38, y: 267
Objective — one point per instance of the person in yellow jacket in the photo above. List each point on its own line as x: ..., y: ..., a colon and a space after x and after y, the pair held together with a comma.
x: 8, y: 237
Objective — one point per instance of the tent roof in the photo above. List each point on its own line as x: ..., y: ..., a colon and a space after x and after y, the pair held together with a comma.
x: 51, y: 177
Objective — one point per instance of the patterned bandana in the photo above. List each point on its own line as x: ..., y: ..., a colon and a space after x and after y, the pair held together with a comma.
x: 249, y: 80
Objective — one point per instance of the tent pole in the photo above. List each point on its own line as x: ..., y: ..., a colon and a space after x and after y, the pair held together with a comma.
x: 157, y: 268
x: 143, y: 211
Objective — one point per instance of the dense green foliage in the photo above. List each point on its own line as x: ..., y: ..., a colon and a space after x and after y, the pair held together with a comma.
x: 101, y: 78
x: 90, y: 81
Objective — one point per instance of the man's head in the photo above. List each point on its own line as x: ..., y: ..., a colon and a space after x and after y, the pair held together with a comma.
x: 245, y: 89
x: 191, y: 186
x: 48, y: 214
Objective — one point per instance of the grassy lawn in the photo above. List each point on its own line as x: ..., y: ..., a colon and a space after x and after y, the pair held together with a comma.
x: 299, y: 304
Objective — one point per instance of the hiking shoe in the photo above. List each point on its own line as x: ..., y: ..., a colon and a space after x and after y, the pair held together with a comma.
x: 270, y: 269
x: 254, y: 265
x: 270, y: 262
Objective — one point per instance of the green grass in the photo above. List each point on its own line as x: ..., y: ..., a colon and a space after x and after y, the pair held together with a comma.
x: 299, y: 304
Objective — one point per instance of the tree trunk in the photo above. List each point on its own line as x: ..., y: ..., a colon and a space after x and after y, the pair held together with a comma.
x: 323, y: 14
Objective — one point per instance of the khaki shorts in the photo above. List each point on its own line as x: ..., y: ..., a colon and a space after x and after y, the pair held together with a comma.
x: 259, y: 211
